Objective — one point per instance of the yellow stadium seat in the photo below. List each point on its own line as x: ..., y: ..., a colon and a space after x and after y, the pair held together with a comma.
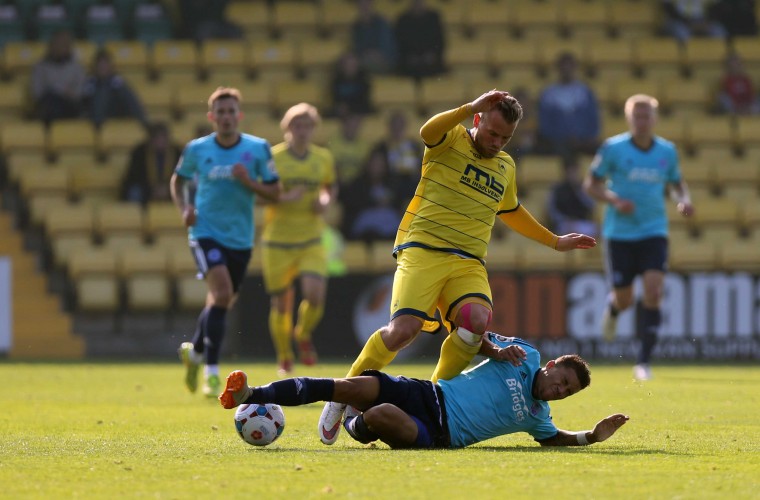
x: 70, y: 219
x: 551, y: 48
x: 175, y: 59
x: 257, y: 96
x: 702, y: 51
x: 296, y: 19
x: 701, y: 255
x: 94, y: 274
x: 120, y: 136
x: 748, y: 48
x: 750, y: 219
x: 536, y: 19
x: 509, y: 53
x: 610, y: 57
x: 20, y: 57
x: 191, y: 293
x: 336, y: 19
x: 13, y: 102
x: 740, y: 255
x: 480, y: 17
x: 146, y: 281
x: 586, y: 19
x: 627, y: 87
x: 441, y: 93
x: 712, y: 212
x: 661, y: 55
x: 712, y: 131
x: 84, y: 51
x: 273, y: 59
x: 119, y: 219
x: 633, y: 19
x: 317, y: 57
x: 394, y: 91
x: 19, y: 161
x: 738, y: 171
x: 163, y: 218
x: 539, y: 171
x: 748, y: 131
x: 288, y: 93
x: 220, y: 57
x: 23, y: 136
x: 43, y: 179
x: 129, y: 56
x: 685, y: 95
x: 673, y: 128
x: 39, y: 205
x: 743, y: 193
x: 158, y: 97
x: 72, y: 135
x: 66, y: 245
x: 95, y: 183
x: 191, y: 99
x: 253, y: 17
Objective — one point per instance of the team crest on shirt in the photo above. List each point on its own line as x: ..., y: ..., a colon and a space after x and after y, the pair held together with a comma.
x: 535, y: 408
x: 246, y: 156
x: 214, y: 255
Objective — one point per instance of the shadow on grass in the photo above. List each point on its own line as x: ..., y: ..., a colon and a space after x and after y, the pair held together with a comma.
x: 473, y: 449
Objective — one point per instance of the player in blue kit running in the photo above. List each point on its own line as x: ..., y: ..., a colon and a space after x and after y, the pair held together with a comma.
x: 230, y: 169
x: 503, y: 395
x: 631, y: 173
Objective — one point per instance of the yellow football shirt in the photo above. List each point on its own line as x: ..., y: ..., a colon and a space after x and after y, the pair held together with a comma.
x: 458, y: 196
x: 293, y: 223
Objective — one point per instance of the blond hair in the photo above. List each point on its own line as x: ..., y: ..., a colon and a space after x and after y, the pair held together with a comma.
x: 298, y: 110
x: 639, y: 100
x: 223, y: 93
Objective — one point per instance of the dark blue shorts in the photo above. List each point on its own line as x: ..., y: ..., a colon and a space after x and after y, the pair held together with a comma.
x: 420, y: 399
x: 209, y: 253
x: 626, y: 259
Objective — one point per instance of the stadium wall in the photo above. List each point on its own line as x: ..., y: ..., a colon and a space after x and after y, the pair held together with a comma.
x: 705, y: 316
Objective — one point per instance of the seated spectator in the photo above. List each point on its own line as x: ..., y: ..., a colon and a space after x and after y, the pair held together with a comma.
x: 420, y: 41
x: 687, y: 18
x: 373, y: 40
x: 738, y: 17
x: 107, y: 94
x: 350, y: 87
x: 151, y: 165
x: 370, y: 205
x: 570, y: 209
x: 349, y: 149
x: 737, y: 95
x: 568, y: 113
x: 58, y: 81
x: 403, y: 154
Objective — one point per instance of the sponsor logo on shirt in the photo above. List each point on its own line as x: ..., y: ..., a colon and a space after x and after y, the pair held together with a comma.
x: 518, y: 400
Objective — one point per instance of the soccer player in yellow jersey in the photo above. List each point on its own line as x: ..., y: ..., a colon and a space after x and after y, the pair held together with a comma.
x: 292, y: 237
x: 467, y: 181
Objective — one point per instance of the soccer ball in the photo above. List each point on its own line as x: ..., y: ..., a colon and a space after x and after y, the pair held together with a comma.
x: 259, y: 425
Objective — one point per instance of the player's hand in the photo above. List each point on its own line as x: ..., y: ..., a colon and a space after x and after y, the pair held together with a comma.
x: 574, y: 241
x: 624, y: 206
x: 513, y: 354
x: 685, y: 208
x: 606, y: 427
x: 240, y: 173
x: 188, y: 215
x: 488, y: 101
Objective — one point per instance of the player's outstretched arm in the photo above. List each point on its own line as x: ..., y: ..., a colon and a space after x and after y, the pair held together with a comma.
x: 574, y: 241
x: 602, y: 431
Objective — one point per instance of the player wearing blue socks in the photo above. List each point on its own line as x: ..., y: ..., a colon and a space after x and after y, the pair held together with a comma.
x: 631, y: 172
x: 504, y: 395
x: 230, y: 169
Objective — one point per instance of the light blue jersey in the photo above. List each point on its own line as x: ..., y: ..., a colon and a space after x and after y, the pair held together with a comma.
x: 494, y: 398
x: 640, y: 176
x: 224, y: 206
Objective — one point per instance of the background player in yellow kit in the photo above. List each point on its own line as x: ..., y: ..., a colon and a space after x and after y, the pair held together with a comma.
x: 467, y: 180
x: 291, y: 241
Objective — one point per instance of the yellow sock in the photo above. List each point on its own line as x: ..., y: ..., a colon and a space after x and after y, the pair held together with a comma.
x: 374, y: 356
x: 308, y: 319
x: 455, y: 357
x: 280, y: 326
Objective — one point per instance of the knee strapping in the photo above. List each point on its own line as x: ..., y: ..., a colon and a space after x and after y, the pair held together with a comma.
x: 465, y: 315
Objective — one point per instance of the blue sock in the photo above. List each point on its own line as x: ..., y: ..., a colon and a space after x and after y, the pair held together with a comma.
x: 294, y: 391
x: 200, y: 329
x: 648, y: 325
x: 357, y: 429
x: 215, y: 326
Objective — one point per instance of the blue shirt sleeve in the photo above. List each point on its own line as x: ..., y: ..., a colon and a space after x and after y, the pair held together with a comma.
x: 188, y: 162
x: 602, y: 164
x: 674, y: 172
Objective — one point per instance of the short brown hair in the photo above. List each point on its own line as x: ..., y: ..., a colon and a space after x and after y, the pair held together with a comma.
x: 223, y: 93
x: 510, y: 109
x: 578, y: 365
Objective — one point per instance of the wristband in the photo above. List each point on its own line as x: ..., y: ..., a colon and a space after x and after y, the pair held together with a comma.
x: 581, y: 437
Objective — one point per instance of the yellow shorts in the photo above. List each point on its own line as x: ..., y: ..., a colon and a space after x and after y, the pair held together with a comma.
x: 427, y: 280
x: 281, y: 266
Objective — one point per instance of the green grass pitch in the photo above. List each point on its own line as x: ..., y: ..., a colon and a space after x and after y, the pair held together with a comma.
x: 131, y: 430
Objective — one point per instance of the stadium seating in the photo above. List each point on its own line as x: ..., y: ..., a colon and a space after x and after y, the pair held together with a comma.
x: 94, y: 275
x: 146, y: 281
x: 72, y: 135
x: 120, y: 220
x: 120, y: 135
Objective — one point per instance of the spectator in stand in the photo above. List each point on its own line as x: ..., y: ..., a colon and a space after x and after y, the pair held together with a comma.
x: 371, y: 207
x: 203, y: 19
x: 58, y: 81
x: 738, y: 17
x: 107, y: 95
x: 687, y: 18
x: 151, y: 165
x: 570, y: 209
x: 568, y: 113
x: 373, y: 39
x: 349, y: 149
x: 350, y: 87
x: 403, y: 155
x: 737, y: 95
x: 420, y: 41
